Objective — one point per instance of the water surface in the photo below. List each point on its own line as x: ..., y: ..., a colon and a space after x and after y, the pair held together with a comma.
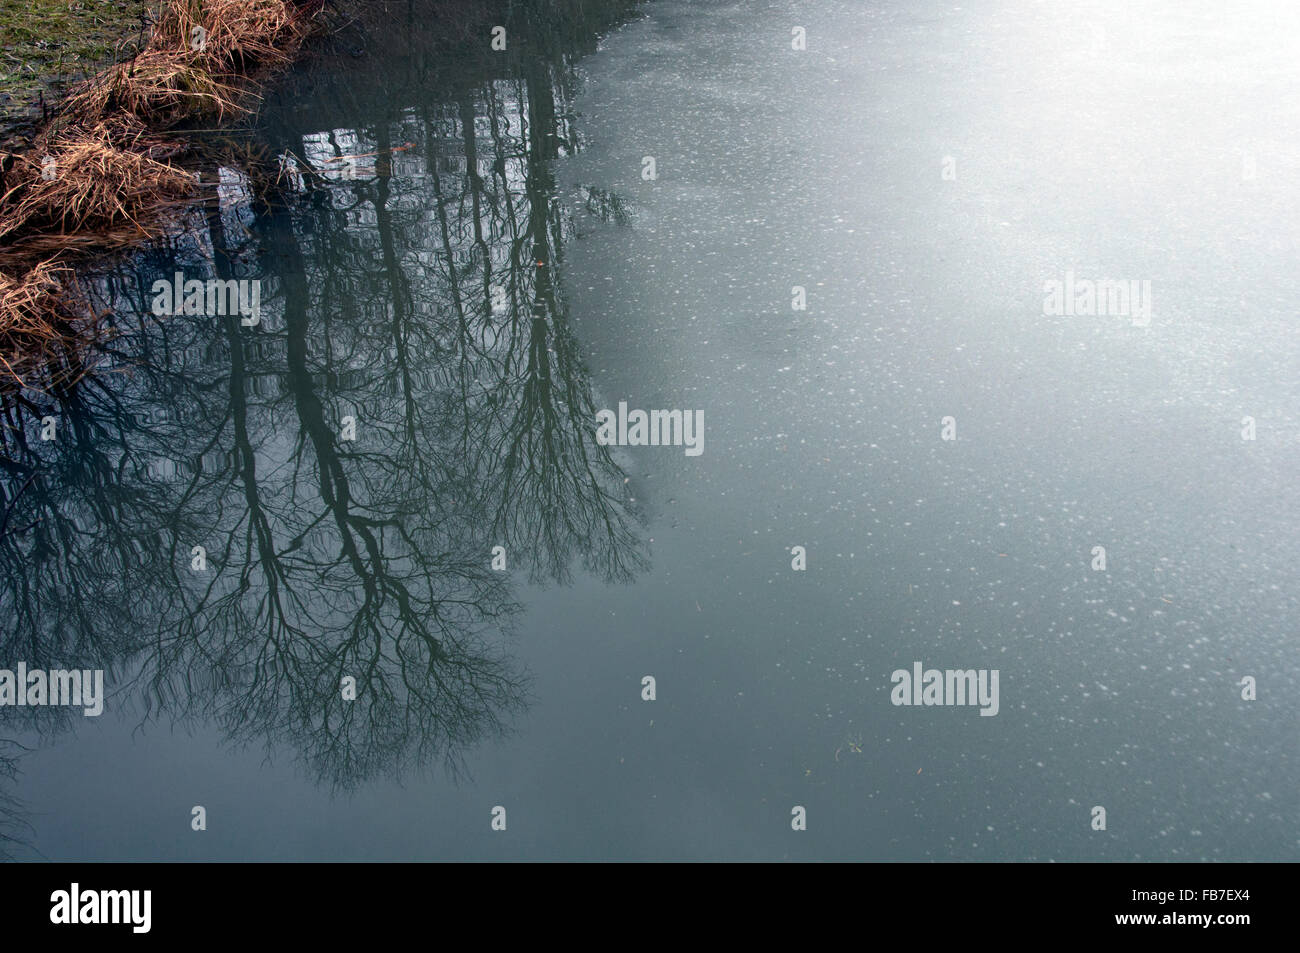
x: 496, y: 269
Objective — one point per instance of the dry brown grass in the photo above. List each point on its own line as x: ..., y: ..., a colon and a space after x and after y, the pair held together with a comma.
x: 196, y: 64
x: 45, y: 321
x: 238, y: 35
x: 158, y: 88
x: 107, y: 179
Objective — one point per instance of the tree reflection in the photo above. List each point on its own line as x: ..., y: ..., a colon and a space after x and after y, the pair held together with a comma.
x: 420, y: 298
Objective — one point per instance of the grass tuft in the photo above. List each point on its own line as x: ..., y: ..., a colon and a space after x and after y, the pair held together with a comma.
x: 109, y: 178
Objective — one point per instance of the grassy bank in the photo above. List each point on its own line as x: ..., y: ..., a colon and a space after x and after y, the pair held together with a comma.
x: 47, y: 45
x: 99, y: 174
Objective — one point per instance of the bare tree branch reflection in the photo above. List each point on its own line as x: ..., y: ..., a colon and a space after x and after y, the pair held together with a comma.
x: 421, y: 297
